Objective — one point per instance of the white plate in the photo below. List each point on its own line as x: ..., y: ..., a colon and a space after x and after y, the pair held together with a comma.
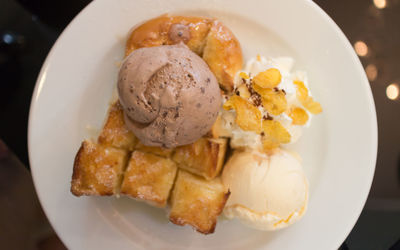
x: 76, y: 83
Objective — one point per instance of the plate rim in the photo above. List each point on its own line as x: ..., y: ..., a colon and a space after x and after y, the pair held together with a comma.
x: 373, y: 120
x: 41, y: 79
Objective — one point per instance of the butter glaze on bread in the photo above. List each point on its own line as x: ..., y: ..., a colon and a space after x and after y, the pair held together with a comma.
x: 149, y: 178
x: 98, y: 170
x: 114, y: 132
x: 197, y: 202
x: 205, y: 157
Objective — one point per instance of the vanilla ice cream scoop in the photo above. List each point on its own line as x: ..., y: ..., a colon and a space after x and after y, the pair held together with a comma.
x: 268, y: 192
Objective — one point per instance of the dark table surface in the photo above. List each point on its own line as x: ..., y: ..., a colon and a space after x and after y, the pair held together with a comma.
x: 28, y: 29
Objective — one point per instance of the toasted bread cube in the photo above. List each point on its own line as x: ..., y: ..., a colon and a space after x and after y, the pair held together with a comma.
x: 115, y: 133
x: 98, y: 170
x: 164, y: 152
x: 218, y: 129
x: 205, y: 157
x: 197, y: 202
x: 222, y: 125
x: 149, y: 178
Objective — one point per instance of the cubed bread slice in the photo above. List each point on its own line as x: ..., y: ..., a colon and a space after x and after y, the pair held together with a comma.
x: 197, y: 202
x: 219, y: 129
x: 98, y: 170
x: 164, y: 152
x: 223, y: 55
x: 114, y: 132
x: 205, y: 157
x: 149, y: 178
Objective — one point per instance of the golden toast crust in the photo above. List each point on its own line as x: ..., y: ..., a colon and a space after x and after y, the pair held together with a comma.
x: 197, y: 202
x: 164, y: 152
x: 223, y: 54
x: 114, y: 132
x: 155, y: 32
x: 205, y: 157
x: 149, y: 178
x: 97, y: 170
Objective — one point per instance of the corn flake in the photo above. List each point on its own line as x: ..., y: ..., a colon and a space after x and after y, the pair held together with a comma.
x: 244, y: 75
x: 306, y: 100
x: 268, y: 79
x: 248, y: 117
x: 259, y: 90
x: 299, y: 116
x: 274, y: 134
x: 313, y: 106
x: 244, y: 91
x: 274, y: 101
x: 302, y: 91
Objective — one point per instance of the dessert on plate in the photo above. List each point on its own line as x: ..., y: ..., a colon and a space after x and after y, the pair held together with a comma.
x: 194, y: 131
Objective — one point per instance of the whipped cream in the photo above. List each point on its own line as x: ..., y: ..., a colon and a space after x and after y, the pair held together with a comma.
x: 249, y: 139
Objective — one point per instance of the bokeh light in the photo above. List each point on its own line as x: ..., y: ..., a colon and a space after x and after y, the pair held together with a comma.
x: 380, y: 4
x: 361, y: 48
x: 372, y: 72
x: 392, y: 91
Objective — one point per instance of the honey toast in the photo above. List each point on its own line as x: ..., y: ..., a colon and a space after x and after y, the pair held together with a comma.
x: 205, y: 157
x: 197, y: 202
x: 98, y: 170
x: 149, y: 178
x: 114, y: 132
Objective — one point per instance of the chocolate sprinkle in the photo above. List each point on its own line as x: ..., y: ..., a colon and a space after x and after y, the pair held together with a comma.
x: 256, y: 98
x: 268, y: 117
x: 250, y: 88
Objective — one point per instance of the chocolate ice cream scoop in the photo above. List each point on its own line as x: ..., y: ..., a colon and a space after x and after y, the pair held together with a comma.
x: 170, y: 96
